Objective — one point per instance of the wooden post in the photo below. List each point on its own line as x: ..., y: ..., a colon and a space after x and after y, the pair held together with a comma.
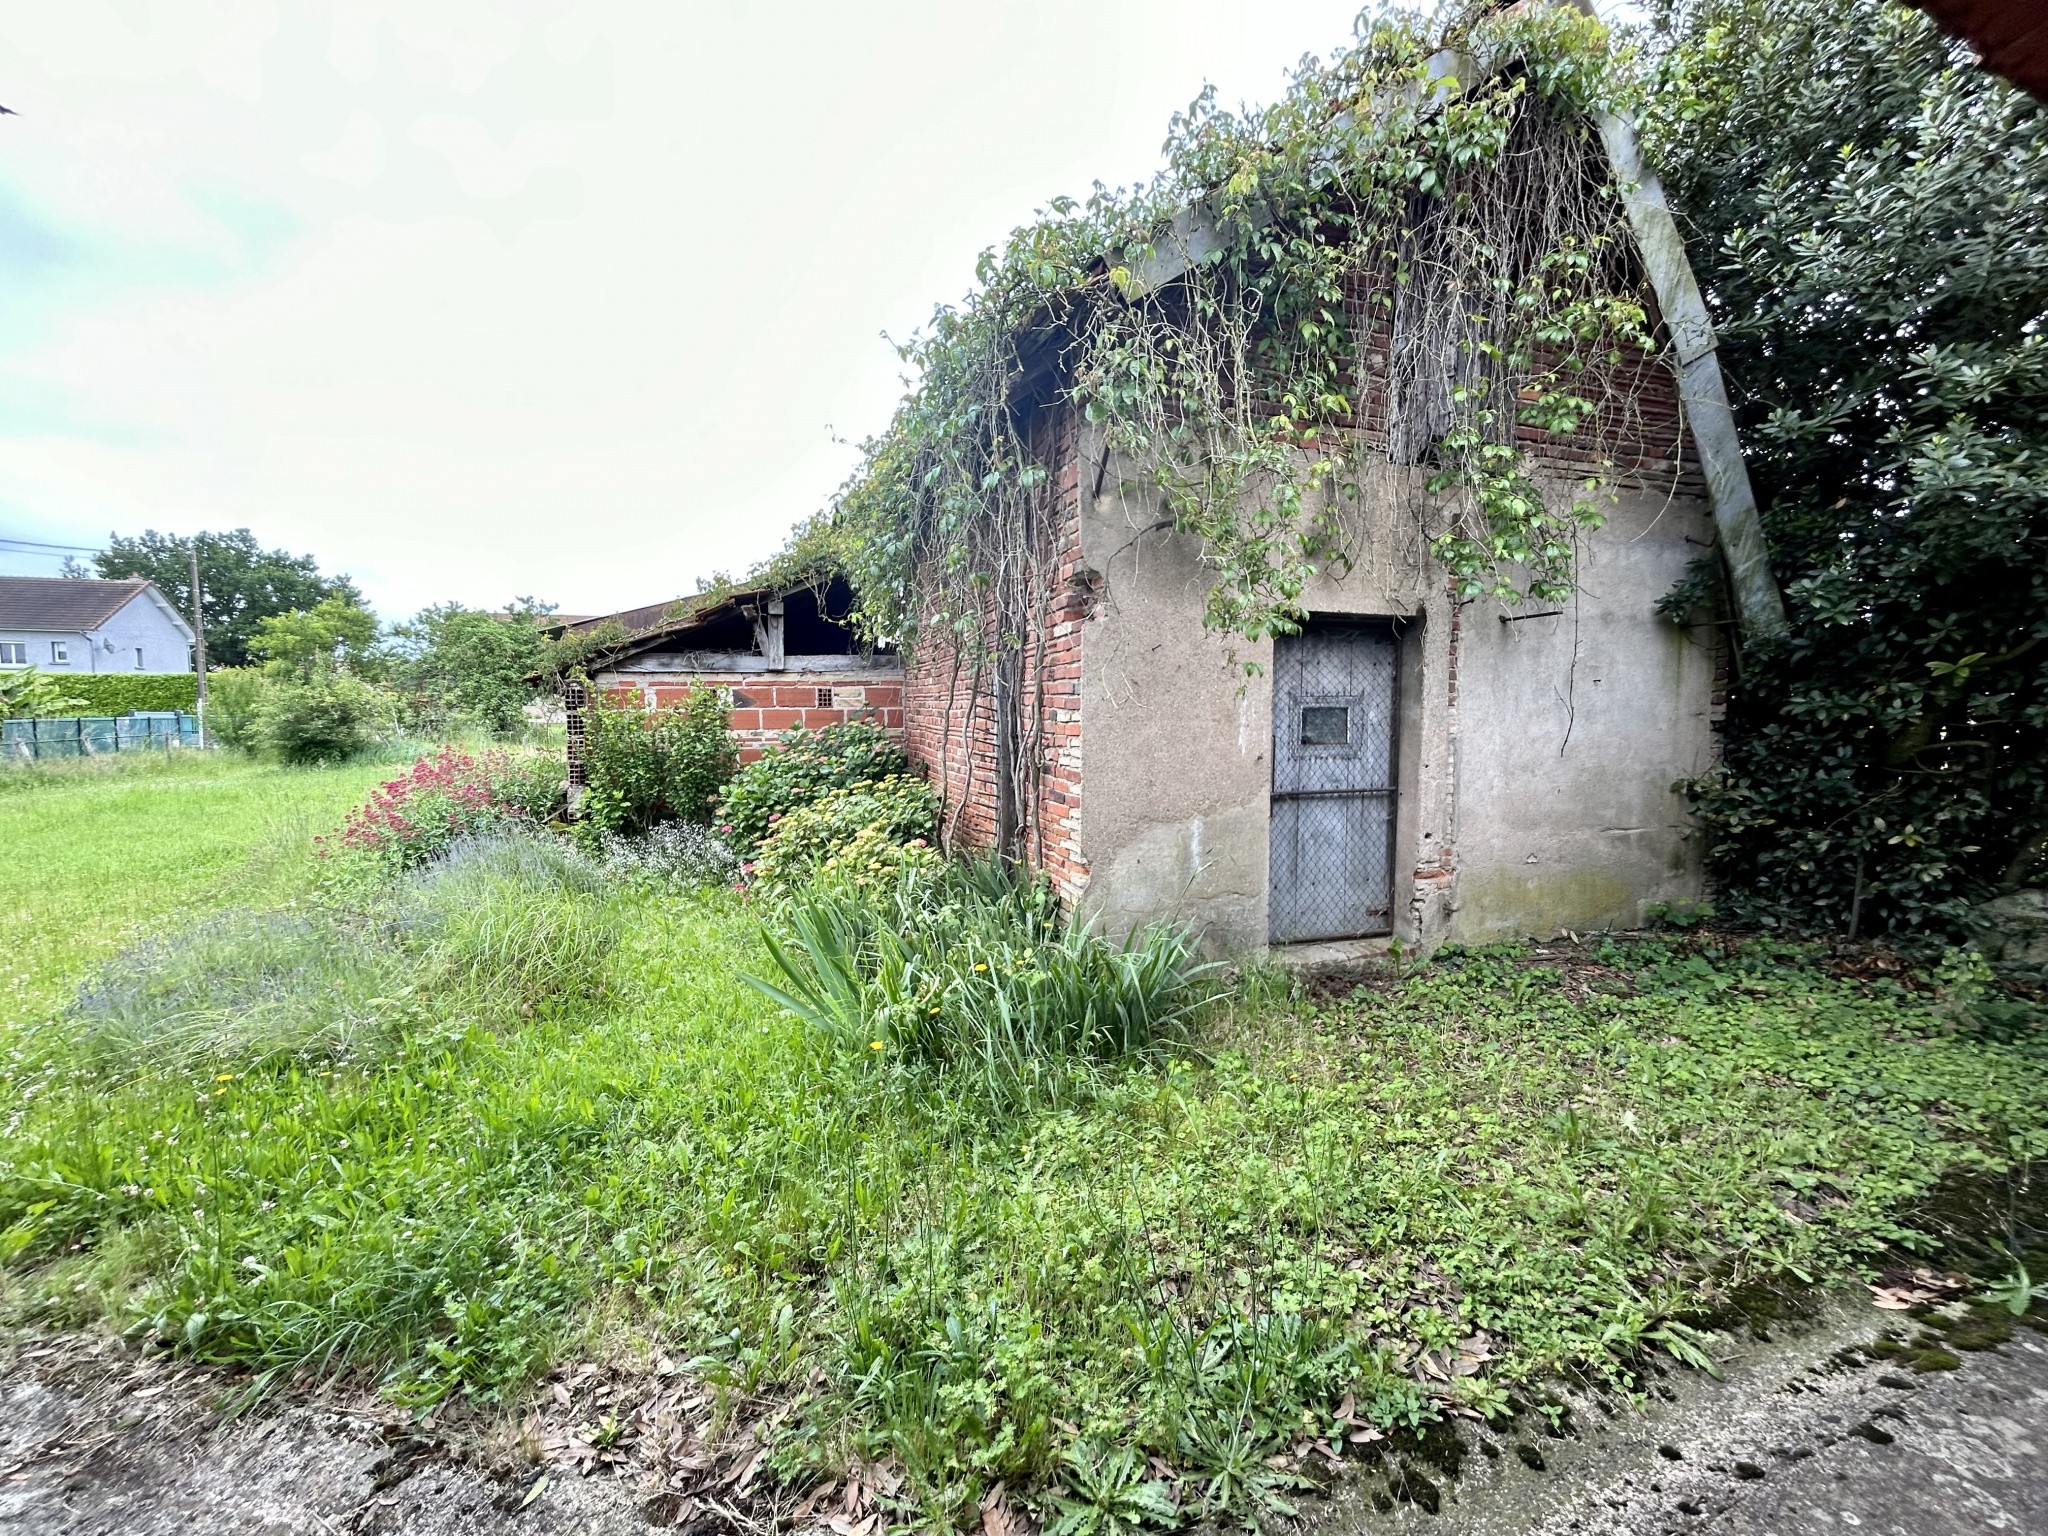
x: 198, y: 638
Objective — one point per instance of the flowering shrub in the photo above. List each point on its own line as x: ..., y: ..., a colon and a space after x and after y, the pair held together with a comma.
x: 677, y: 855
x: 448, y: 796
x: 872, y: 860
x: 859, y: 833
x: 805, y: 766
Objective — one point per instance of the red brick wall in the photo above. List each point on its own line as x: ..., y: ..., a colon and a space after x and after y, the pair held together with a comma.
x: 1636, y: 427
x: 765, y: 704
x: 949, y: 720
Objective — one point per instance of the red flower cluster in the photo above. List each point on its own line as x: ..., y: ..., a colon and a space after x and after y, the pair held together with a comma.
x: 439, y: 799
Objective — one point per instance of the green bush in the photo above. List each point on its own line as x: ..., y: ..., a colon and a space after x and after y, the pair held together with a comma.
x: 1838, y: 164
x: 651, y: 766
x: 233, y: 696
x: 859, y: 831
x: 125, y: 693
x: 805, y: 766
x: 328, y: 717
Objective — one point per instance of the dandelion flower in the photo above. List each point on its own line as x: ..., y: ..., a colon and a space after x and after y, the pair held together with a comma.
x: 874, y: 1045
x: 981, y: 965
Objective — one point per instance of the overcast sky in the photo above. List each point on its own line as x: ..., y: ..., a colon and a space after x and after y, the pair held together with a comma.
x: 582, y: 299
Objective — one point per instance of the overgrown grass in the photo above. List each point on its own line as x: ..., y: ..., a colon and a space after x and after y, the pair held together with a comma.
x: 1427, y: 1195
x: 100, y: 851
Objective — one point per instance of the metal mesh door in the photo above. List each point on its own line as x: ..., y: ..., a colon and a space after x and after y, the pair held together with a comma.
x: 1333, y: 783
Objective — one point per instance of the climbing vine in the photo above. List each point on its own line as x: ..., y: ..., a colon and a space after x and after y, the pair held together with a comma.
x: 1387, y: 231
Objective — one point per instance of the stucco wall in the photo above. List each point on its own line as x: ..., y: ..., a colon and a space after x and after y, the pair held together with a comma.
x: 78, y: 648
x: 111, y: 648
x: 142, y: 624
x: 1179, y: 731
x: 1575, y: 728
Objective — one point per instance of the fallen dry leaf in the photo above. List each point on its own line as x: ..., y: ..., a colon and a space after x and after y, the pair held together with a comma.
x: 817, y: 1496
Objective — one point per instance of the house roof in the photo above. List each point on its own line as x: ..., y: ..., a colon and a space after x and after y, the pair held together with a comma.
x: 652, y: 619
x: 2010, y: 36
x: 716, y: 620
x: 61, y: 603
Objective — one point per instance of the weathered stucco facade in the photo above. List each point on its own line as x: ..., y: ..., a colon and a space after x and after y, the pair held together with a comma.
x: 1536, y: 748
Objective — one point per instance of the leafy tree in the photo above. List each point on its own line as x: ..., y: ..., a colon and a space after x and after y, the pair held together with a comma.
x: 243, y: 583
x: 1869, y: 217
x: 457, y: 661
x: 333, y: 634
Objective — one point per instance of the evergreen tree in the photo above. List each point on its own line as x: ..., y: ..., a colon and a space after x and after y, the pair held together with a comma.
x: 1868, y: 214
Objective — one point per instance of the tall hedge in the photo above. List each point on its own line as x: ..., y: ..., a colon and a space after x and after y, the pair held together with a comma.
x: 123, y: 693
x: 1869, y: 217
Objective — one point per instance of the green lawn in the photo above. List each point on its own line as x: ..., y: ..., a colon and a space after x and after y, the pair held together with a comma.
x: 102, y: 850
x: 521, y: 1109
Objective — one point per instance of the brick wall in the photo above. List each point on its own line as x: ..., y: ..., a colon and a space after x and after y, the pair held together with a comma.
x: 1636, y: 427
x: 949, y: 701
x: 765, y: 704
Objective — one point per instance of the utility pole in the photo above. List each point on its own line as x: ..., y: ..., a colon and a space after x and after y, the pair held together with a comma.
x: 198, y: 637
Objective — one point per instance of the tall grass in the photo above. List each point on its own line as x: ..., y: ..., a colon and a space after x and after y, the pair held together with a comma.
x: 500, y: 927
x: 978, y: 973
x: 1024, y: 1240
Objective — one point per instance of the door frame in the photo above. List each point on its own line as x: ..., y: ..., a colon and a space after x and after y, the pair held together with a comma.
x: 1394, y: 627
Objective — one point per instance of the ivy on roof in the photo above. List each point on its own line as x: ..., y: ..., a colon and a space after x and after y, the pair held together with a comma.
x: 1207, y: 323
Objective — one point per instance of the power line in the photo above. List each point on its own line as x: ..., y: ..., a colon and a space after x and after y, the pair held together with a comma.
x: 74, y: 549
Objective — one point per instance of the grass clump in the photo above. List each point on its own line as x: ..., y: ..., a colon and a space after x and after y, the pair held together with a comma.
x: 501, y: 925
x: 968, y: 968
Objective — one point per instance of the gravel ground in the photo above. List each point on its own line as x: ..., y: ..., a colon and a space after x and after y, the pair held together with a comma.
x: 1802, y: 1435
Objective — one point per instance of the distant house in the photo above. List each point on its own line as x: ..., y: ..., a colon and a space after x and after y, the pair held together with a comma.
x: 787, y: 655
x: 62, y: 625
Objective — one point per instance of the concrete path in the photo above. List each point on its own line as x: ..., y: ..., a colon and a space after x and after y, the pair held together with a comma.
x: 1795, y: 1440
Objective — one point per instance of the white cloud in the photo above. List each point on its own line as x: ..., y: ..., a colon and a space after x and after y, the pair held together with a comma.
x: 475, y: 299
x: 357, y: 159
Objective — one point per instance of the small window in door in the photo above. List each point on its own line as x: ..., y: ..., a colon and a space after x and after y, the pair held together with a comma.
x: 1325, y: 725
x: 60, y: 654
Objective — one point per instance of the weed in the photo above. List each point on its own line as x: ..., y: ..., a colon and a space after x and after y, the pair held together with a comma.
x: 1109, y: 1494
x: 2016, y: 1290
x: 675, y: 856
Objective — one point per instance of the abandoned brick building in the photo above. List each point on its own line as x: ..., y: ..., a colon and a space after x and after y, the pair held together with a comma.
x: 786, y: 654
x: 1408, y: 764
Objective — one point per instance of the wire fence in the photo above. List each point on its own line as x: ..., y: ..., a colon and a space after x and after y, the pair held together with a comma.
x: 28, y: 741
